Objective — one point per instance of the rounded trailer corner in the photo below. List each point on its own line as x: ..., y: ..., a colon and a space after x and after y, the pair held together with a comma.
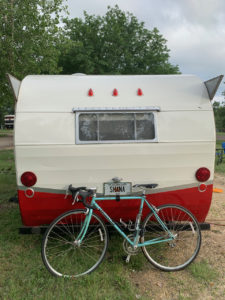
x: 64, y: 135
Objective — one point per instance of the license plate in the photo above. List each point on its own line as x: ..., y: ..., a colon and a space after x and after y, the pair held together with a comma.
x: 119, y: 188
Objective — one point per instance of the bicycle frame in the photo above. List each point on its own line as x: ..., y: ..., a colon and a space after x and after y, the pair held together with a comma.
x: 134, y: 243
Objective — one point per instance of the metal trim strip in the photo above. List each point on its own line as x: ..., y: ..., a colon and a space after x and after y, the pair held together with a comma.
x: 179, y: 187
x: 155, y: 191
x: 144, y: 108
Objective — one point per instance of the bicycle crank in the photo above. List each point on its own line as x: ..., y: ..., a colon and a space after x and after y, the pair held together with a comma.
x: 128, y: 248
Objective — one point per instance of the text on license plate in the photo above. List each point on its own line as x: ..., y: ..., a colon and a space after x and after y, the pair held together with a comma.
x: 121, y: 188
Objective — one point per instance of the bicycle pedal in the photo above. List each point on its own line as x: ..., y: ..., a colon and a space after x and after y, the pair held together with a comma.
x: 125, y: 258
x: 128, y: 258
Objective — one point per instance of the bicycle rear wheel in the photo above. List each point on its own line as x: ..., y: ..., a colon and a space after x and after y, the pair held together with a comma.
x: 63, y: 255
x: 176, y: 254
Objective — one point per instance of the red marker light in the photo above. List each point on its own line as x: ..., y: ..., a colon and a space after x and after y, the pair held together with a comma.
x: 28, y: 179
x: 29, y: 193
x: 202, y: 187
x: 139, y: 92
x: 115, y: 92
x: 202, y: 174
x: 90, y: 92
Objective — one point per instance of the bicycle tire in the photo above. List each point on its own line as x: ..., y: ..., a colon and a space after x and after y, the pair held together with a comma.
x: 61, y: 254
x: 177, y: 254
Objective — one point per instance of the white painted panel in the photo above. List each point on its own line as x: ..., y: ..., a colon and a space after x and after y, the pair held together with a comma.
x: 168, y: 164
x: 48, y: 93
x: 59, y: 128
x: 44, y: 128
x: 185, y: 126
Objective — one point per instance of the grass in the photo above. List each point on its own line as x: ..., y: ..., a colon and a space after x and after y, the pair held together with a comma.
x: 220, y: 168
x: 6, y: 132
x: 7, y: 175
x: 24, y: 276
x: 202, y: 271
x: 221, y: 133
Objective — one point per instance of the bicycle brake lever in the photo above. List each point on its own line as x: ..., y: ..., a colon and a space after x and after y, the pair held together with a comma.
x: 75, y: 199
x: 67, y: 193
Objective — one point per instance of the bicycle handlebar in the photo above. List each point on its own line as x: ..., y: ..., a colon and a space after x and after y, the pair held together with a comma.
x: 84, y: 193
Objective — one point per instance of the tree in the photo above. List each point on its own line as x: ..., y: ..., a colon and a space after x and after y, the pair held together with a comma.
x: 219, y: 114
x: 29, y: 34
x: 116, y: 43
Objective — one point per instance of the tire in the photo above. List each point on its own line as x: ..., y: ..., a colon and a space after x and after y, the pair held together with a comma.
x: 176, y: 254
x: 62, y: 257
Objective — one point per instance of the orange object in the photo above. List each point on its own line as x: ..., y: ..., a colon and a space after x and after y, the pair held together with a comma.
x: 217, y: 190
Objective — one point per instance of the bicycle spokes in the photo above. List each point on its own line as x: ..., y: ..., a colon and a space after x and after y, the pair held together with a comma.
x: 177, y: 253
x: 64, y: 254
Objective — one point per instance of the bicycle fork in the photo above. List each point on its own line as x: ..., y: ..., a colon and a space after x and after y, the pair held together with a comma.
x: 84, y: 227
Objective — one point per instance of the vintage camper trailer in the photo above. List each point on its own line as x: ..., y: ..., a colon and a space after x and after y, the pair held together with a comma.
x: 88, y: 130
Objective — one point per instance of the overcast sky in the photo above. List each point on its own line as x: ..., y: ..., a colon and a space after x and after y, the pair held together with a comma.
x: 194, y: 29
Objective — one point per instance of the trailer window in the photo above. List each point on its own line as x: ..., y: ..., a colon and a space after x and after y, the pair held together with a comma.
x: 116, y: 127
x: 88, y: 127
x: 106, y: 127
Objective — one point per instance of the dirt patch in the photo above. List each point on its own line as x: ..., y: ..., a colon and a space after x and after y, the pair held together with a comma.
x: 186, y: 284
x: 6, y: 142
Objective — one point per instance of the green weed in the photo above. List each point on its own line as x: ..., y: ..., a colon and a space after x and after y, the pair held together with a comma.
x: 7, y: 175
x: 6, y: 132
x: 202, y: 271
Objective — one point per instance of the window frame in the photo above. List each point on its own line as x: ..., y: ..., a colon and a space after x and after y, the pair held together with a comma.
x: 79, y: 142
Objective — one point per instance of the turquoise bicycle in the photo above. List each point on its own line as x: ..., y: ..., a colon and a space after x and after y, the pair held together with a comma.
x: 76, y: 242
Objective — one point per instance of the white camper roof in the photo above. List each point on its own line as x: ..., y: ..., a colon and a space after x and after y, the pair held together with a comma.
x: 62, y: 93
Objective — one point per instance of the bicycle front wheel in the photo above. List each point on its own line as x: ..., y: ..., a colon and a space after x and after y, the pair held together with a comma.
x: 63, y: 255
x: 176, y: 254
